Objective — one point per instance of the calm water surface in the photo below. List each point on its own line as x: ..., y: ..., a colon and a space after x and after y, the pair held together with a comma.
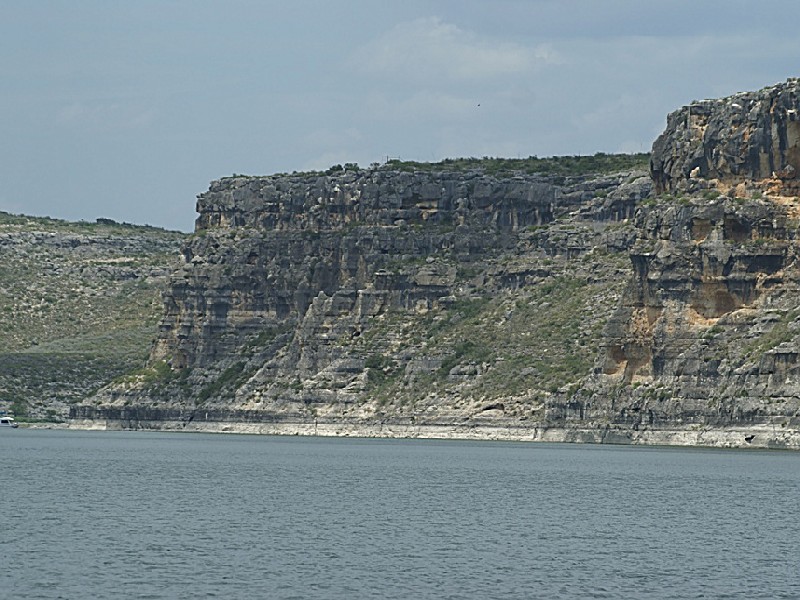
x: 154, y: 515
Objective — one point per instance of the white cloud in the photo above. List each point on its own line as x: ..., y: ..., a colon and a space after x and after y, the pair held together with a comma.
x: 429, y: 49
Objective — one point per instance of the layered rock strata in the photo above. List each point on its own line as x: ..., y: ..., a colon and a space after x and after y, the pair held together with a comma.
x: 379, y: 294
x: 707, y: 332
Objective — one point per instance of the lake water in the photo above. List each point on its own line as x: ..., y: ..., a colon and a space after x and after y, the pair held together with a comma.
x: 157, y: 515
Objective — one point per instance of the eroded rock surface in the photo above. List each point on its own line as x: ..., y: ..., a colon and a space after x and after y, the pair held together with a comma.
x: 381, y: 294
x: 747, y: 137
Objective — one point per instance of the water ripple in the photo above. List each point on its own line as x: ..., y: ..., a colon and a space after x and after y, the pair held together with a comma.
x: 151, y: 516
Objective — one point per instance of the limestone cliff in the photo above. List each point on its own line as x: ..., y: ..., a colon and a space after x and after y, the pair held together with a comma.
x: 707, y: 332
x: 627, y: 307
x: 381, y: 294
x: 747, y: 137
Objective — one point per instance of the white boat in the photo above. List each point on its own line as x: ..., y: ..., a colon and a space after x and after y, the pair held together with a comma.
x: 8, y: 422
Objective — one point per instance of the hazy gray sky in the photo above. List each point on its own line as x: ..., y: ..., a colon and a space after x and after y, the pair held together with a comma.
x: 127, y: 110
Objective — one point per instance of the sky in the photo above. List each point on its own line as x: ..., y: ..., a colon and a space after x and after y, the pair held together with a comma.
x: 127, y: 110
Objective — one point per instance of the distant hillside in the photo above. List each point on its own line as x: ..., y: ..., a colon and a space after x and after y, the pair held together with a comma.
x: 79, y: 304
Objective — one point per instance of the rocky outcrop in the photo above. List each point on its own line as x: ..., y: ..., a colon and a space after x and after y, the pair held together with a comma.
x: 706, y: 331
x: 747, y: 137
x: 269, y: 247
x: 277, y: 252
x: 706, y: 334
x: 375, y: 198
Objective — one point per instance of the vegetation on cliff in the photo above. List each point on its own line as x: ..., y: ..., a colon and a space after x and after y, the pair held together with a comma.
x: 578, y: 165
x: 550, y: 166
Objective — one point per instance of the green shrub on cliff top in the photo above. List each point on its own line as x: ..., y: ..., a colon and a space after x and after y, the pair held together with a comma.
x: 554, y: 165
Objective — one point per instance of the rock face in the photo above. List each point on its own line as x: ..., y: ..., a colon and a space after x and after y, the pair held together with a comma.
x: 269, y: 248
x: 381, y: 294
x: 707, y: 331
x: 749, y: 136
x: 622, y: 308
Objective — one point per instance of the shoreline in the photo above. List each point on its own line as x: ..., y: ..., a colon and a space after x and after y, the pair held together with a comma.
x: 753, y: 436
